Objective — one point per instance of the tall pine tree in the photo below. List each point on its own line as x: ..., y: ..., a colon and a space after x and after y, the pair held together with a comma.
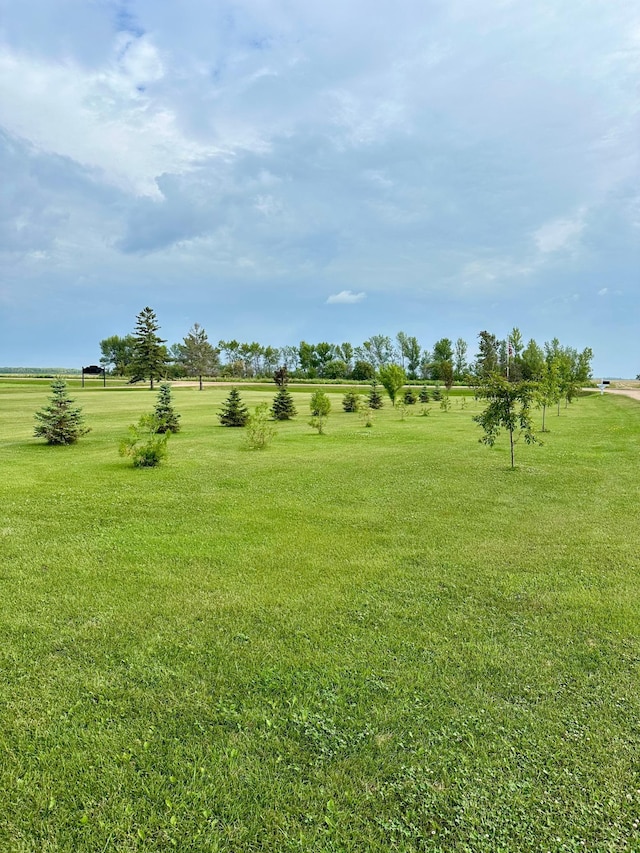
x: 149, y: 353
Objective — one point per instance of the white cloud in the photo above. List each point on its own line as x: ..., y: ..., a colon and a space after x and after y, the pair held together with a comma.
x: 559, y: 234
x: 346, y: 297
x: 100, y: 118
x: 603, y: 291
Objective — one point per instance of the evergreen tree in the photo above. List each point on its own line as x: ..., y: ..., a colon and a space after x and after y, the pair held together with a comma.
x: 375, y: 397
x: 165, y: 413
x: 282, y: 408
x: 197, y: 356
x: 60, y: 422
x: 424, y: 394
x: 234, y: 412
x: 149, y: 353
x: 351, y: 401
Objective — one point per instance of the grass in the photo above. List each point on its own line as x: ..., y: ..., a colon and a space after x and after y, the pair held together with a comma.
x: 375, y: 639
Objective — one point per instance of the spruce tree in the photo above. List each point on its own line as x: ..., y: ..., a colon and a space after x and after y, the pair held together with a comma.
x: 375, y: 397
x: 149, y: 353
x: 282, y: 408
x: 60, y: 422
x: 351, y: 401
x: 234, y: 412
x: 424, y: 394
x: 168, y: 419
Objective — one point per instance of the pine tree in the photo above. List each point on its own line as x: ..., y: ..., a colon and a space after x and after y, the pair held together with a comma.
x: 351, y: 401
x: 282, y: 408
x: 424, y: 394
x: 149, y: 353
x: 375, y: 397
x: 197, y: 356
x: 60, y: 422
x: 168, y: 419
x: 234, y: 412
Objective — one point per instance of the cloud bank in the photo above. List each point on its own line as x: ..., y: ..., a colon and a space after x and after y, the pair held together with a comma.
x: 471, y: 166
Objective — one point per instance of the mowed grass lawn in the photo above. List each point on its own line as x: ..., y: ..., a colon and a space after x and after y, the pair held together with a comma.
x: 370, y: 640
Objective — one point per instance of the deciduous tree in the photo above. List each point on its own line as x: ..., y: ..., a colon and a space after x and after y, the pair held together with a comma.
x: 509, y: 407
x: 117, y: 354
x: 393, y: 379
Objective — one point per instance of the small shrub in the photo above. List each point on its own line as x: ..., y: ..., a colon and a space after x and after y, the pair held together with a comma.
x: 260, y: 430
x: 425, y: 411
x: 423, y: 397
x: 234, y: 412
x: 437, y: 393
x: 445, y: 403
x: 351, y: 401
x: 410, y: 397
x: 402, y: 407
x: 145, y: 446
x: 366, y: 416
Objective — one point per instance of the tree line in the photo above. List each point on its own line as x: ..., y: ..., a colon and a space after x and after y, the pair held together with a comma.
x: 144, y: 355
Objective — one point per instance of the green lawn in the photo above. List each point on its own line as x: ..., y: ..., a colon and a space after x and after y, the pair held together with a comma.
x: 370, y: 640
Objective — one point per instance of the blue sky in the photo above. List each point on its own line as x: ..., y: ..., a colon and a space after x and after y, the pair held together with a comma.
x: 279, y: 170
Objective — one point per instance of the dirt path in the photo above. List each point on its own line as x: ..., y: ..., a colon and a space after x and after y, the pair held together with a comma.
x: 627, y: 392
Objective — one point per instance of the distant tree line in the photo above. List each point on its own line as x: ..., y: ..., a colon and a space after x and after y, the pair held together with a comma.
x: 144, y: 355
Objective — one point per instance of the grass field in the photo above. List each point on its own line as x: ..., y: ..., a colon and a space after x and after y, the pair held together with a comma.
x: 370, y: 640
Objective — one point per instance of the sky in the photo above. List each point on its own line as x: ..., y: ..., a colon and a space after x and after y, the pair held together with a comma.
x: 286, y: 170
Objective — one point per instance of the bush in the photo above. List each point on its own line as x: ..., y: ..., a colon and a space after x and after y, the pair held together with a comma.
x: 234, y: 412
x: 437, y: 392
x: 351, y: 401
x: 424, y: 394
x: 259, y: 430
x: 60, y: 422
x: 146, y: 445
x: 410, y: 397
